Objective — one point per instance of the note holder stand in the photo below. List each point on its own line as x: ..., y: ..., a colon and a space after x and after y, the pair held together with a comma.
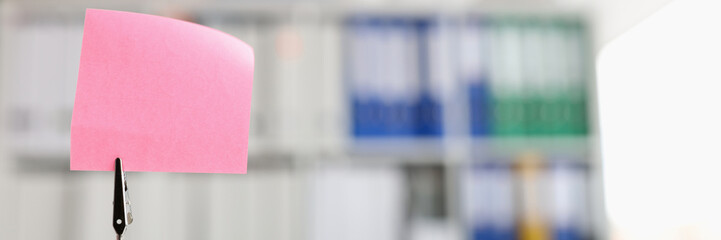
x: 122, y: 214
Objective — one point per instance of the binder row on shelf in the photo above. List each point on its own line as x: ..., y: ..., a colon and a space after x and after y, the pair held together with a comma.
x: 386, y: 61
x: 533, y: 197
x: 517, y: 76
x: 530, y: 199
x: 297, y: 104
x: 356, y: 203
x: 405, y: 76
x: 380, y: 202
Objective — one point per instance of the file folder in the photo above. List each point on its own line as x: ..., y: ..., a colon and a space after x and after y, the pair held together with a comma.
x: 490, y: 201
x: 473, y: 74
x: 578, y: 77
x: 431, y: 60
x: 400, y: 87
x: 568, y: 206
x: 506, y: 78
x: 362, y: 42
x: 534, y: 79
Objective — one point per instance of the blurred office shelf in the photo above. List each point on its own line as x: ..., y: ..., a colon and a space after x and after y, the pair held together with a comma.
x: 575, y: 145
x: 41, y: 147
x: 405, y: 148
x: 305, y: 163
x: 424, y: 149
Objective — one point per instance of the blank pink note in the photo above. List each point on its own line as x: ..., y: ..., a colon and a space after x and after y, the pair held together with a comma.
x: 162, y: 94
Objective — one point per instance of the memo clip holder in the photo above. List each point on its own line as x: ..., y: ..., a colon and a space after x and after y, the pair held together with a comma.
x: 122, y: 214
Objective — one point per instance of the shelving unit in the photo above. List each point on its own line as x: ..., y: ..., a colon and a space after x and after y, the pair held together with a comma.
x: 300, y: 132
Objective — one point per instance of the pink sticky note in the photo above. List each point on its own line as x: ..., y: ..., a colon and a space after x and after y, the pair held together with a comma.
x: 161, y: 94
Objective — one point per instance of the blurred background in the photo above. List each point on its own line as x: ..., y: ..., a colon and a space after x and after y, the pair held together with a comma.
x: 398, y: 119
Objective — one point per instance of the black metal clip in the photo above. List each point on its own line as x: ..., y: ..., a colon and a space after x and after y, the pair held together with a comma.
x: 122, y: 214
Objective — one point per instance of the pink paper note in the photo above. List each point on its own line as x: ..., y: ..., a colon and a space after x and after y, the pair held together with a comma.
x: 162, y: 94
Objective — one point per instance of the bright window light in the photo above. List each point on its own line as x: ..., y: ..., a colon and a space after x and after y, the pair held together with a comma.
x: 659, y: 88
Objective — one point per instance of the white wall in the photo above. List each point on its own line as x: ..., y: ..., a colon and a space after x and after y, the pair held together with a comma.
x: 658, y: 87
